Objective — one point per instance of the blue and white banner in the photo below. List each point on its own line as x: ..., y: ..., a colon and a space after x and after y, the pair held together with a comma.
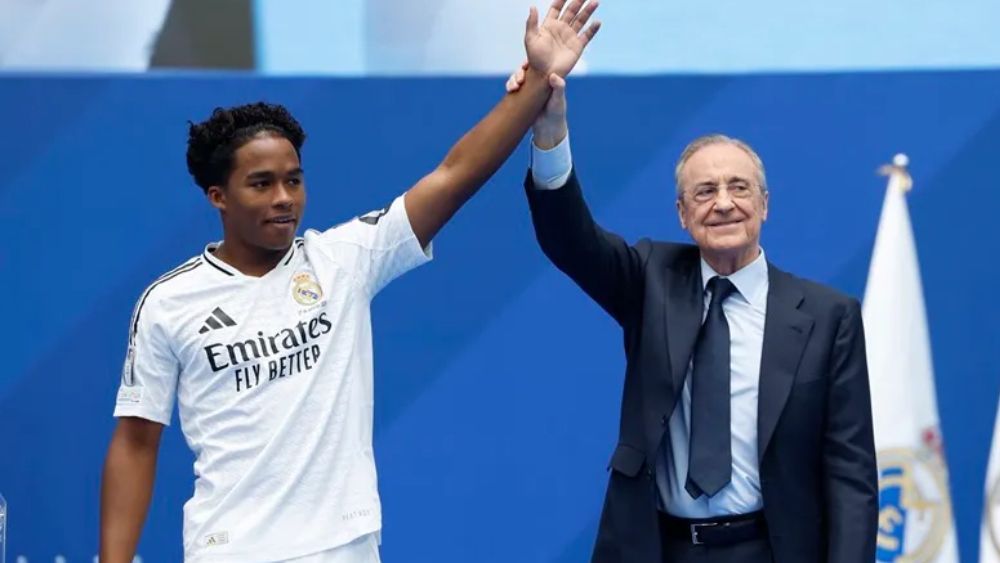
x: 989, y: 537
x: 915, y: 516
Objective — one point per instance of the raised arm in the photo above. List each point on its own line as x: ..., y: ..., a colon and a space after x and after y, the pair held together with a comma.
x: 607, y: 268
x: 553, y: 48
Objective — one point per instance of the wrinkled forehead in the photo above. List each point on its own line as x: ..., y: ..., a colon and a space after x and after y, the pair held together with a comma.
x: 718, y: 162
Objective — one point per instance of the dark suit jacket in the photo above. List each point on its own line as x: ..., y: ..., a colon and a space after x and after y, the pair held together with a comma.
x: 814, y: 429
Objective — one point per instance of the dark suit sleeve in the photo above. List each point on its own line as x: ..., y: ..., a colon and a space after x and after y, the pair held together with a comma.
x: 601, y: 263
x: 850, y: 473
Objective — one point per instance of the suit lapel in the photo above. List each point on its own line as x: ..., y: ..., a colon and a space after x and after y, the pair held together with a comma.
x: 786, y: 332
x: 683, y: 317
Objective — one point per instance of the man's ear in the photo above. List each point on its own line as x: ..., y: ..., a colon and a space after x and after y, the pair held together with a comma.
x: 217, y: 197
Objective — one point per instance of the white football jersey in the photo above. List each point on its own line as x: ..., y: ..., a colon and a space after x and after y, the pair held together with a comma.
x: 273, y: 382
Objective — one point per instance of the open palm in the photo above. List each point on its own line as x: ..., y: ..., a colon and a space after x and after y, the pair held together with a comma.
x: 556, y: 45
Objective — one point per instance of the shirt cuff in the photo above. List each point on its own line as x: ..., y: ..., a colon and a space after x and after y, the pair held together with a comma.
x: 551, y: 168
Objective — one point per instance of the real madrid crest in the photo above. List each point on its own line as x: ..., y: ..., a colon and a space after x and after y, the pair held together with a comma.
x: 914, y: 508
x: 305, y: 290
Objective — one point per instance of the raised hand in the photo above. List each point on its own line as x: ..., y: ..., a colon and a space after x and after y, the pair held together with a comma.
x: 550, y: 127
x: 555, y: 46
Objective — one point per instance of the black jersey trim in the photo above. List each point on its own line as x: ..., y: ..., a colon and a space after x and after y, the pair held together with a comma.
x: 211, y: 262
x: 189, y: 266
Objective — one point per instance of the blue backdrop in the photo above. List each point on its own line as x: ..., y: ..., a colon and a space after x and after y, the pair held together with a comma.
x: 497, y: 381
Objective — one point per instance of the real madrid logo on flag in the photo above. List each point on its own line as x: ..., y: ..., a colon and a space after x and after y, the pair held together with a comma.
x: 990, y: 546
x: 989, y: 537
x: 305, y: 290
x: 914, y: 509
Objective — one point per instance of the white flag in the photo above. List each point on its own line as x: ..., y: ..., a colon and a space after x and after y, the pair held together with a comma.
x: 915, y: 517
x: 989, y: 537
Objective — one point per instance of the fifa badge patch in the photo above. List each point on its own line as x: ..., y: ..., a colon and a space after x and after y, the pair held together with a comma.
x: 130, y: 395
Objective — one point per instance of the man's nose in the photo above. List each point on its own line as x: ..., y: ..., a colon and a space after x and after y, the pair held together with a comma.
x: 282, y: 196
x: 723, y: 201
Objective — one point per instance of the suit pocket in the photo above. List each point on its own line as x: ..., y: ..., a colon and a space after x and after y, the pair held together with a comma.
x: 627, y: 460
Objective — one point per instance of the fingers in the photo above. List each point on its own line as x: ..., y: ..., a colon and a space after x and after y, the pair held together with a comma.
x: 514, y: 82
x: 531, y: 26
x: 555, y: 9
x: 571, y: 11
x: 557, y: 83
x: 584, y: 15
x: 590, y: 32
x: 516, y: 78
x: 511, y: 84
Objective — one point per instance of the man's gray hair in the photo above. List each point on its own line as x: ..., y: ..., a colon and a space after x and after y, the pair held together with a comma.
x: 714, y: 139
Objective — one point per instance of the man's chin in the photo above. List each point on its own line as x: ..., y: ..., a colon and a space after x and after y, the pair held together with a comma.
x: 273, y: 245
x: 726, y: 245
x: 731, y: 248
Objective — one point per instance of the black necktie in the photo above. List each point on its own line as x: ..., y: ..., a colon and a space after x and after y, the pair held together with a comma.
x: 710, y: 462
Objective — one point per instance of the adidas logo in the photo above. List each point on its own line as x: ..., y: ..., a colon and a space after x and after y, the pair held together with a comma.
x: 218, y: 319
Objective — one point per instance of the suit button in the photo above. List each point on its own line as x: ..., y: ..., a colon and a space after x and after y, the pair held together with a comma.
x: 663, y: 420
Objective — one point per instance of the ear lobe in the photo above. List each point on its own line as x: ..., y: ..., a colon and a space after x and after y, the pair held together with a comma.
x: 680, y: 214
x: 216, y: 197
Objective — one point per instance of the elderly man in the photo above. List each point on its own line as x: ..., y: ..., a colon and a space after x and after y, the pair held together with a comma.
x: 746, y: 426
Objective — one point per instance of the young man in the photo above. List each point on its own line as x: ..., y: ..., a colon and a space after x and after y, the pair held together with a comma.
x: 264, y: 339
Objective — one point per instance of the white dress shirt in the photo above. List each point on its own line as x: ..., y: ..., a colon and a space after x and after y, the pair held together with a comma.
x: 745, y: 312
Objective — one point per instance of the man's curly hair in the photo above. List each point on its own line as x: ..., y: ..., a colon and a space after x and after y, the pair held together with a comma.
x: 213, y: 142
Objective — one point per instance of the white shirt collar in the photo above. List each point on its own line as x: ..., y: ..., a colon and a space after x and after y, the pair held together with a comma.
x: 750, y: 280
x: 209, y: 256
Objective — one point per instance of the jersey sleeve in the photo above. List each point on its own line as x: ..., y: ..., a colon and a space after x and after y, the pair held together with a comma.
x: 378, y: 246
x: 149, y: 377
